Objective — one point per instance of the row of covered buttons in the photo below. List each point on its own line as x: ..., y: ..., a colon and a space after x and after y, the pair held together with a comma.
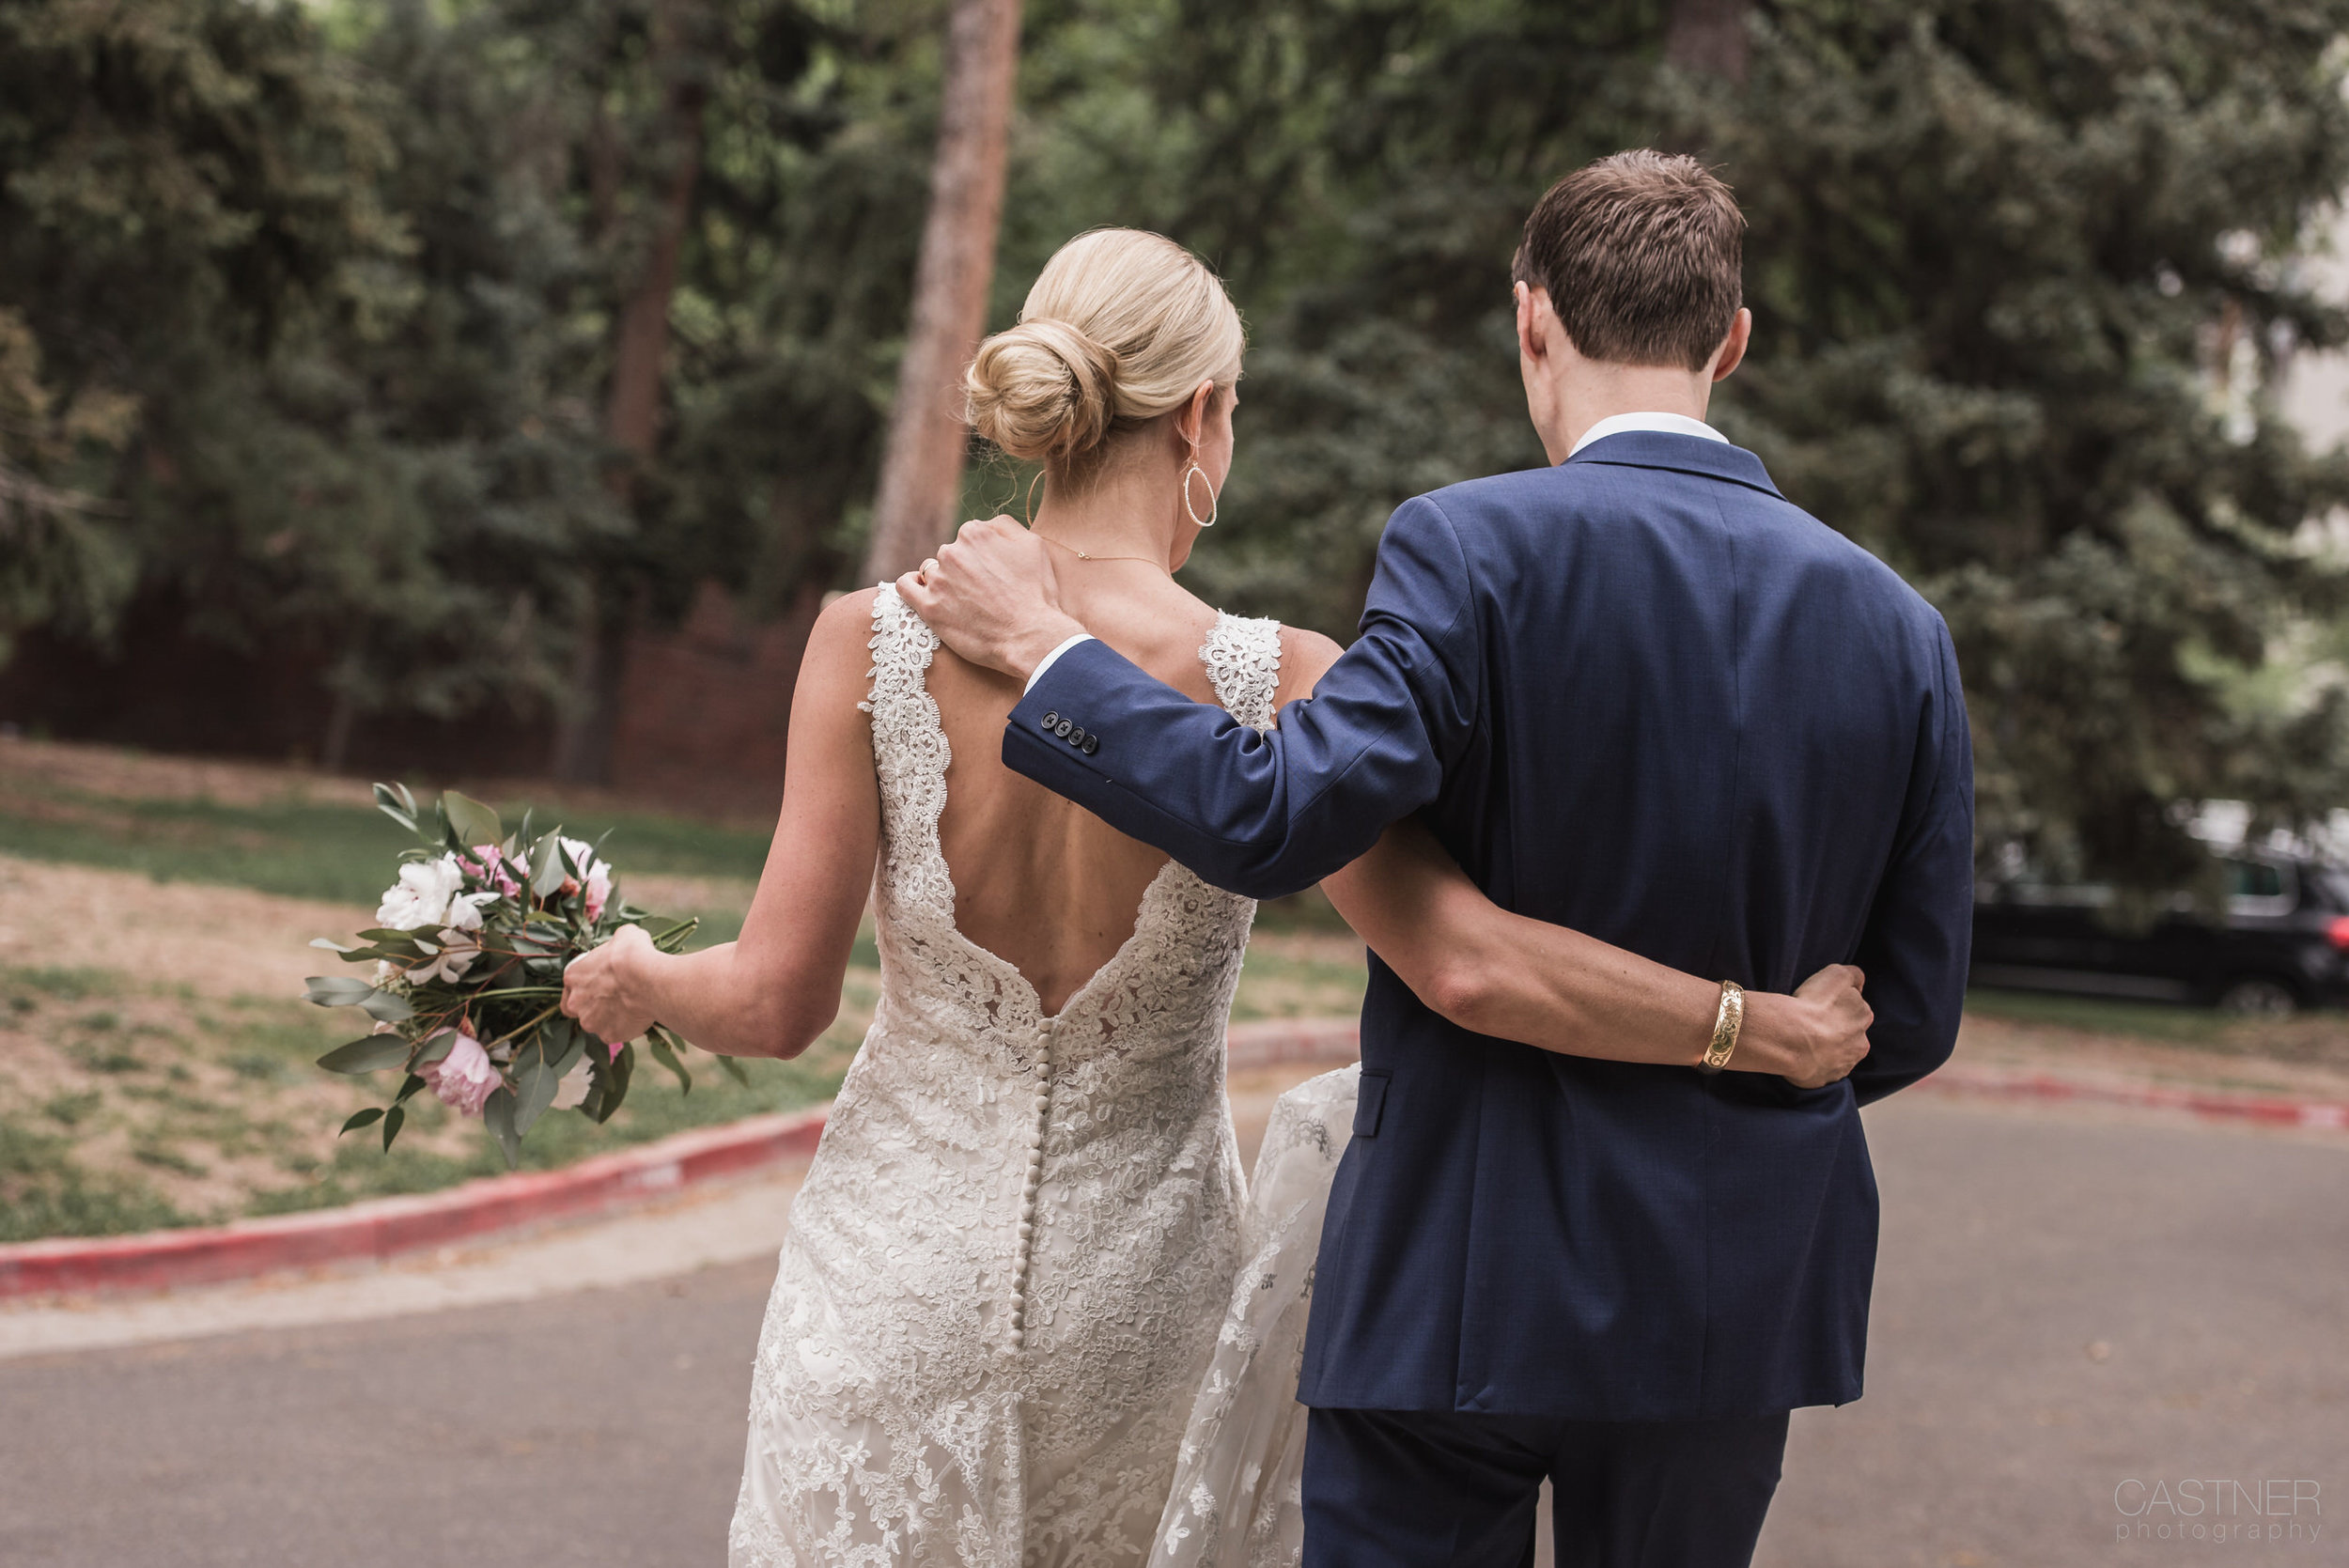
x: 1034, y: 1183
x: 1070, y: 731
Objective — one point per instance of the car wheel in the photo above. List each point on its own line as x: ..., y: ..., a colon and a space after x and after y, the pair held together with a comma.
x: 2259, y: 996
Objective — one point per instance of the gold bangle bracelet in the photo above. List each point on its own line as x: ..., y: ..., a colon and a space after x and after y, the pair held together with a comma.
x: 1726, y: 1023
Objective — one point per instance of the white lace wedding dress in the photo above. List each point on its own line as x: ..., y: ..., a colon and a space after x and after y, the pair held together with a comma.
x: 1006, y: 1312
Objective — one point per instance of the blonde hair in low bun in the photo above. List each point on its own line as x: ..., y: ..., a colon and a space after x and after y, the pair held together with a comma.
x: 1121, y: 327
x: 1043, y: 391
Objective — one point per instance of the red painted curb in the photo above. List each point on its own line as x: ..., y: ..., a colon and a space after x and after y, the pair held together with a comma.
x: 1272, y: 1042
x: 383, y: 1227
x: 1960, y: 1078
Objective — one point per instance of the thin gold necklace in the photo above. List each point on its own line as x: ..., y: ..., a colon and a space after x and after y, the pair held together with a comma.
x: 1086, y: 555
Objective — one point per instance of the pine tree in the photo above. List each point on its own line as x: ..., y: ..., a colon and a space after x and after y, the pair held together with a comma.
x: 2018, y: 270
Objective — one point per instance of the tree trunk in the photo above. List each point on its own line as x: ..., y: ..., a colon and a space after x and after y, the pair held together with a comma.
x: 922, y: 464
x: 631, y: 415
x: 1707, y: 37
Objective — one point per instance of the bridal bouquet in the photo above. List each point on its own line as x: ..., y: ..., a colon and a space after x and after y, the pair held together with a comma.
x: 469, y: 949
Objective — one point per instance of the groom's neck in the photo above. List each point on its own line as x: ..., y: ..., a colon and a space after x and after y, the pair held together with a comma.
x: 1597, y: 389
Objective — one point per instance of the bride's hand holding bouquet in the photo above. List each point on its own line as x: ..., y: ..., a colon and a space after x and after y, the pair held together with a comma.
x: 471, y: 950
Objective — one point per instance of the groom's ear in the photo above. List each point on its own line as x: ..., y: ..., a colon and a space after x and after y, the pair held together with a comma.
x: 1537, y: 323
x: 1732, y: 353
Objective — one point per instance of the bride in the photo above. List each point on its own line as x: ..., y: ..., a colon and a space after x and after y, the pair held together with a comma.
x: 1000, y: 1321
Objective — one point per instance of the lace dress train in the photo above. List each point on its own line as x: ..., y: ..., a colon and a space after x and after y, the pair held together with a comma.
x: 1234, y: 1498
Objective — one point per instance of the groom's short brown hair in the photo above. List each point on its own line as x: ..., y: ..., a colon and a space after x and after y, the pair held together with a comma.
x: 1643, y: 254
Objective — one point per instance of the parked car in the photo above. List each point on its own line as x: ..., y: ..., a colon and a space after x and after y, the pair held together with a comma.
x: 2283, y: 945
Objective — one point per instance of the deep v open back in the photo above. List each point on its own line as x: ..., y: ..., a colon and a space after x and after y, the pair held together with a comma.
x: 1008, y: 1264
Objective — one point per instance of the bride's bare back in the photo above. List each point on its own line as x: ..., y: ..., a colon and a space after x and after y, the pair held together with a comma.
x: 1039, y: 881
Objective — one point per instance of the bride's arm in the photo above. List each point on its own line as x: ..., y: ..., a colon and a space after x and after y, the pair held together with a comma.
x: 777, y: 988
x: 1516, y: 978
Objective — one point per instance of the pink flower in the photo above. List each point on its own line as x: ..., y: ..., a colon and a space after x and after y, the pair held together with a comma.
x: 464, y: 1078
x: 492, y: 870
x: 593, y: 874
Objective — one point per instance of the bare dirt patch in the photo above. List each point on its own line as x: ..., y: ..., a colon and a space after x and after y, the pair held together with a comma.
x: 216, y: 941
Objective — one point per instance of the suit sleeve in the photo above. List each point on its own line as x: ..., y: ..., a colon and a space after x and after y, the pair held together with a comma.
x: 1919, y: 932
x: 1267, y: 814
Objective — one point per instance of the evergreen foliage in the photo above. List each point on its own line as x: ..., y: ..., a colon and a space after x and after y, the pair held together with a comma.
x: 307, y: 321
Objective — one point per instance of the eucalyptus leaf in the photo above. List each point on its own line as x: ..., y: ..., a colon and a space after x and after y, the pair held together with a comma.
x: 610, y: 1079
x: 392, y: 1120
x: 535, y: 1084
x: 545, y: 871
x: 565, y: 1047
x: 475, y: 822
x: 387, y: 1008
x: 408, y: 1089
x: 499, y: 1114
x: 400, y: 807
x: 362, y: 1118
x: 667, y: 1058
x: 371, y: 1054
x: 336, y: 990
x: 735, y: 1070
x: 437, y: 1047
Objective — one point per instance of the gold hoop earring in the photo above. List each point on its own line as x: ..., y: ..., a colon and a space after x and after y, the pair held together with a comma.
x: 1028, y: 507
x: 1214, y: 502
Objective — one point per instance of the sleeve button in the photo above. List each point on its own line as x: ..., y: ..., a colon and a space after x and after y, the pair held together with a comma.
x: 1062, y: 728
x: 1050, y: 718
x: 1092, y: 744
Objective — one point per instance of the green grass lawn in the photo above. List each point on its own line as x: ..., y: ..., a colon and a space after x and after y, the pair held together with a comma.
x: 2145, y: 1020
x: 129, y: 1107
x: 342, y: 854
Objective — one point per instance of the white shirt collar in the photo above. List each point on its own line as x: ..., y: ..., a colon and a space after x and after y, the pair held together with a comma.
x: 1669, y: 424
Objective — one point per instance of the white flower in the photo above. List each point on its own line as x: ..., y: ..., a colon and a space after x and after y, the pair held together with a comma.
x: 458, y: 952
x: 464, y: 912
x: 422, y: 895
x: 572, y: 1092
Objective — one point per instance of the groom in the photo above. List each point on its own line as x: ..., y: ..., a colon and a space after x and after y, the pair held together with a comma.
x: 1638, y: 693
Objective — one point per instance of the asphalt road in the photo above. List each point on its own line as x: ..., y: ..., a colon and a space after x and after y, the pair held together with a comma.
x: 2064, y: 1305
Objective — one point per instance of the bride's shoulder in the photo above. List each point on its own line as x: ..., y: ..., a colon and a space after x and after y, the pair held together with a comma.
x: 839, y: 646
x: 1306, y: 655
x: 847, y: 619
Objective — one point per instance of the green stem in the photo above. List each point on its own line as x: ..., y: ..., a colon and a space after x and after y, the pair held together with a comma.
x: 532, y: 1024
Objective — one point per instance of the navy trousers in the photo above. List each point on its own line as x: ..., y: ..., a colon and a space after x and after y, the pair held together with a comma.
x: 1422, y: 1489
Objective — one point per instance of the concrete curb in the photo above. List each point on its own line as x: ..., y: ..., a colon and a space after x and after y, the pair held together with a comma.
x: 386, y: 1227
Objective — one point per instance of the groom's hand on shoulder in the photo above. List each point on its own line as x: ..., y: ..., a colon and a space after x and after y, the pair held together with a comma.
x: 991, y: 597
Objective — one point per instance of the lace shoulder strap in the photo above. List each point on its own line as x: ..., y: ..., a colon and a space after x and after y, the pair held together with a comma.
x: 909, y: 753
x: 1243, y: 661
x: 902, y: 644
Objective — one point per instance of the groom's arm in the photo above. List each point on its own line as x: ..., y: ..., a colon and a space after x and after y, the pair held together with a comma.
x: 1919, y: 932
x: 1267, y: 814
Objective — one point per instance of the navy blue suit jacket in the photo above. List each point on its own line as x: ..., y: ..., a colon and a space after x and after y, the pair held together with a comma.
x: 1642, y: 695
